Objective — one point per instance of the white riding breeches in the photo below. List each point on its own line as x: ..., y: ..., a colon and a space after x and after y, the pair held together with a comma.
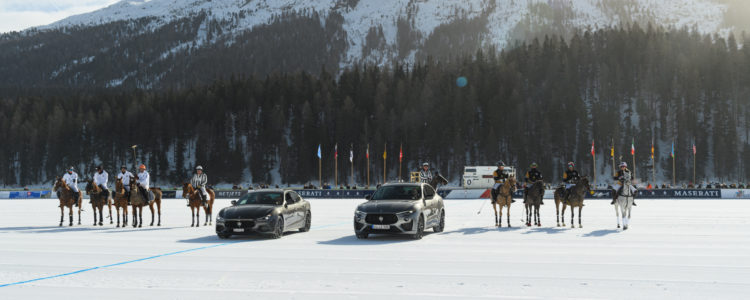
x: 617, y: 187
x: 569, y: 185
x: 204, y: 192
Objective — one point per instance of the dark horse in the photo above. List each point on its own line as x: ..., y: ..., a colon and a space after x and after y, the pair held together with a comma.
x: 65, y: 194
x: 437, y: 180
x: 98, y: 199
x: 533, y: 202
x: 575, y: 199
x: 137, y: 201
x: 194, y: 199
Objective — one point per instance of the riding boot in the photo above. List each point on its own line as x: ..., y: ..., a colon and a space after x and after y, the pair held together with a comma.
x: 75, y: 200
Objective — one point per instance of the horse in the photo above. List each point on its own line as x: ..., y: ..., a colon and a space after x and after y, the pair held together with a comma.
x: 194, y: 199
x: 534, y: 201
x: 98, y: 199
x: 137, y: 202
x: 438, y: 180
x: 65, y: 195
x: 575, y: 199
x: 559, y: 199
x: 121, y: 201
x: 504, y: 198
x: 624, y: 203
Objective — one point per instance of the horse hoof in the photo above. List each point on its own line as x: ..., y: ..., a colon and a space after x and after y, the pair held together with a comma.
x: 539, y: 225
x: 60, y: 224
x: 618, y: 225
x: 140, y: 226
x: 158, y: 224
x: 110, y: 222
x: 580, y: 226
x: 625, y: 228
x: 192, y: 225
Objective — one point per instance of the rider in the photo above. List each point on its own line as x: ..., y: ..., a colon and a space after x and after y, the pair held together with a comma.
x: 100, y: 178
x: 425, y: 175
x: 71, y: 179
x: 125, y: 176
x: 199, y: 182
x: 570, y: 177
x: 500, y: 178
x: 533, y: 175
x: 620, y: 177
x: 143, y: 182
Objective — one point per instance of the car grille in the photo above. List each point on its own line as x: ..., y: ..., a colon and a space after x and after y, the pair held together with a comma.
x: 385, y: 219
x: 407, y: 226
x: 242, y: 224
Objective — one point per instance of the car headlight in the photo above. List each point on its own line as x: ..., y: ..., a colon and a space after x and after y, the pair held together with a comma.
x: 219, y: 218
x: 405, y: 215
x: 359, y: 215
x: 266, y: 218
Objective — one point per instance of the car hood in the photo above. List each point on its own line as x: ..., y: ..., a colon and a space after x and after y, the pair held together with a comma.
x: 247, y: 211
x: 388, y: 206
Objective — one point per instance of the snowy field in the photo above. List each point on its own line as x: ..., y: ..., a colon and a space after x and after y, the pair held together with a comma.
x: 687, y: 249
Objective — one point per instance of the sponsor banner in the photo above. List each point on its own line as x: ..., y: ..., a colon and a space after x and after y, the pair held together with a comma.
x: 231, y: 194
x: 685, y: 194
x: 342, y: 194
x: 29, y: 195
x: 168, y: 194
x: 735, y: 194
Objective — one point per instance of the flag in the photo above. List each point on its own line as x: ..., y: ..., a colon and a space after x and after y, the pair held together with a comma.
x: 336, y: 151
x: 384, y: 152
x: 632, y: 147
x: 351, y: 154
x: 652, y: 148
x: 592, y: 149
x: 612, y: 150
x: 367, y: 154
x: 694, y: 149
x: 319, y: 156
x: 671, y: 154
x: 400, y: 153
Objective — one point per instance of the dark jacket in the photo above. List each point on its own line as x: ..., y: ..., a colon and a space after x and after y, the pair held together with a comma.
x: 571, y: 176
x: 499, y: 176
x: 533, y: 175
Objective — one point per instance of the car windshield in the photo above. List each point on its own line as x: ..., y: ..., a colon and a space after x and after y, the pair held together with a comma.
x: 267, y: 198
x: 398, y: 192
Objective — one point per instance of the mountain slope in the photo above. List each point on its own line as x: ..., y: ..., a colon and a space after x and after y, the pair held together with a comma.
x: 153, y: 43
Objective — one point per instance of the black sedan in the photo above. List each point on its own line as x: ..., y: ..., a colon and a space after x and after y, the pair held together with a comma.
x: 269, y: 212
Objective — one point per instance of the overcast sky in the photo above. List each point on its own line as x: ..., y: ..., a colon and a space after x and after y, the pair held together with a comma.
x: 21, y: 14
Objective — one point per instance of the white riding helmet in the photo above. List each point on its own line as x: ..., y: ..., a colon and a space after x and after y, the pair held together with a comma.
x: 623, y: 164
x: 425, y: 165
x: 199, y: 168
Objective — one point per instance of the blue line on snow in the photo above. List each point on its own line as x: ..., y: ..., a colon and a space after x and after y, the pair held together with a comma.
x: 140, y: 259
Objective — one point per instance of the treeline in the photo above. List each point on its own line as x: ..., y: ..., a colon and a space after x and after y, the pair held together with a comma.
x: 543, y: 101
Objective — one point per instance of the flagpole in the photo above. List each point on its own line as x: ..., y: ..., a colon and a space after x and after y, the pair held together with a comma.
x: 368, y: 165
x: 320, y: 171
x: 351, y: 160
x: 593, y: 157
x: 385, y: 151
x: 400, y: 155
x: 612, y: 153
x: 632, y: 152
x: 336, y: 166
x: 674, y: 175
x: 694, y: 183
x: 653, y: 161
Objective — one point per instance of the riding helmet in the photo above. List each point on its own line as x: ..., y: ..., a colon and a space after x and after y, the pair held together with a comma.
x: 425, y: 164
x: 534, y: 165
x: 623, y: 164
x: 571, y: 164
x: 199, y: 168
x: 500, y: 163
x: 142, y: 167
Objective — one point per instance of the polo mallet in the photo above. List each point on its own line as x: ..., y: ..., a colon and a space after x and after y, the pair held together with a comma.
x: 480, y: 208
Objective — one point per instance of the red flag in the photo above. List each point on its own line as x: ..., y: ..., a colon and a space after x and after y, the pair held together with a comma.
x: 694, y: 149
x: 592, y: 149
x: 400, y: 154
x: 336, y: 151
x: 632, y: 147
x: 367, y: 154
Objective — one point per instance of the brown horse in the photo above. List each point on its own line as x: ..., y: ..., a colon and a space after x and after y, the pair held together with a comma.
x: 533, y: 203
x: 559, y: 199
x: 121, y: 201
x: 504, y: 198
x: 98, y: 199
x: 137, y: 202
x: 65, y: 195
x: 575, y: 199
x: 194, y: 199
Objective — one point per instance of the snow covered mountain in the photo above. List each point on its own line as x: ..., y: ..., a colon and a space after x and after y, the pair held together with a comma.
x: 352, y: 31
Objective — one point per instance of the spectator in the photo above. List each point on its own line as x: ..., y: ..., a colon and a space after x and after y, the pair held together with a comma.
x: 734, y: 186
x: 649, y: 187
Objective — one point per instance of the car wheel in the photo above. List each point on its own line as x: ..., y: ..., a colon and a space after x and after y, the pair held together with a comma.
x: 308, y: 222
x: 362, y: 236
x: 420, y: 229
x: 224, y: 236
x: 279, y: 230
x: 441, y: 226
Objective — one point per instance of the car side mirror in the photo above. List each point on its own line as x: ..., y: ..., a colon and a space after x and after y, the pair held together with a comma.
x: 234, y: 202
x: 368, y: 197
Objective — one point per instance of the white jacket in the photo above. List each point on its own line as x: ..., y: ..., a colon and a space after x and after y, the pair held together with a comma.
x: 125, y: 178
x: 143, y: 179
x: 101, y: 178
x: 71, y: 179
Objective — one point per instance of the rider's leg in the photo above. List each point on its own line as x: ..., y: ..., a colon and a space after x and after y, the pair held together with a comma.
x: 635, y: 191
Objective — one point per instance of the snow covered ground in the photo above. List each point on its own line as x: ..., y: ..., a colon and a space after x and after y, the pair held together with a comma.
x: 687, y: 249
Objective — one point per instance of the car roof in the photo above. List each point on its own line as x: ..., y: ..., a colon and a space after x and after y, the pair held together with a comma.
x: 271, y: 190
x: 403, y: 184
